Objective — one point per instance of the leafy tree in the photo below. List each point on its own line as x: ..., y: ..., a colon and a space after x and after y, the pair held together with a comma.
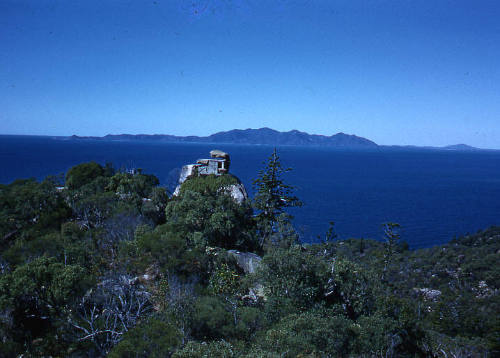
x: 194, y: 349
x: 156, y: 337
x: 176, y: 297
x: 29, y: 208
x: 293, y: 280
x: 272, y: 197
x: 309, y: 334
x: 67, y: 250
x: 37, y: 297
x: 140, y: 185
x: 82, y: 174
x: 407, y: 333
x: 224, y: 280
x: 250, y: 320
x: 209, y: 184
x: 75, y: 248
x: 376, y: 335
x: 211, y: 319
x: 214, y: 220
x: 352, y: 287
x: 167, y: 247
x: 92, y: 211
x: 154, y: 208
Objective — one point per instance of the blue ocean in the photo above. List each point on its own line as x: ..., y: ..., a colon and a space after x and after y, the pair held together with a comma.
x: 435, y: 195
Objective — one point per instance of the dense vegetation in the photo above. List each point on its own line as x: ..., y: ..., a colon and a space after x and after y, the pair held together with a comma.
x: 110, y: 265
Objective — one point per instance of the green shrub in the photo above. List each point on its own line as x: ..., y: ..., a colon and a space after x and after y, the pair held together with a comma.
x: 212, y: 220
x: 208, y: 184
x: 219, y: 349
x: 155, y: 338
x: 309, y: 333
x: 82, y: 174
x: 211, y: 319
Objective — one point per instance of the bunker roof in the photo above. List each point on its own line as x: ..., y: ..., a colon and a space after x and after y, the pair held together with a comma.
x: 218, y: 154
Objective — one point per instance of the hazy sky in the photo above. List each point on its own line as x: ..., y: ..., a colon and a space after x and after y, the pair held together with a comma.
x: 397, y: 72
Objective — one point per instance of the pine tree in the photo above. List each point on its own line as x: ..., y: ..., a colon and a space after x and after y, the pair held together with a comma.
x: 272, y: 197
x: 392, y: 237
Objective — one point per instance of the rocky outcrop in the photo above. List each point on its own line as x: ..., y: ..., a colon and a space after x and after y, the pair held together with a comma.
x: 186, y: 172
x: 247, y: 261
x: 428, y: 294
x: 483, y: 290
x: 218, y: 165
x: 237, y: 192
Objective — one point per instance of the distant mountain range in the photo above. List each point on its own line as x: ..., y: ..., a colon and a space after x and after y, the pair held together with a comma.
x: 267, y: 136
x: 253, y: 136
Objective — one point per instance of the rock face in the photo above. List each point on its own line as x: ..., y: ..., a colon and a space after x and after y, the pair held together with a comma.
x: 238, y: 192
x: 428, y: 294
x: 247, y: 261
x: 186, y: 172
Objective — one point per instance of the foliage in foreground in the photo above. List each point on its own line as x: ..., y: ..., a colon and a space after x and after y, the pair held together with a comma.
x: 112, y: 266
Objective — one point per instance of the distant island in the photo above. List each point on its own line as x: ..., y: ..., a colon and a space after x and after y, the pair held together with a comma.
x: 460, y: 147
x: 268, y: 136
x: 254, y: 136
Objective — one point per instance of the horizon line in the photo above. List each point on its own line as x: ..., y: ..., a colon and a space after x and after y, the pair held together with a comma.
x: 239, y: 129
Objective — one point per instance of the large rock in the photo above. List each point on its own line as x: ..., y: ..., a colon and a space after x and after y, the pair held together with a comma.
x: 428, y: 294
x: 186, y: 172
x: 237, y: 192
x: 247, y: 261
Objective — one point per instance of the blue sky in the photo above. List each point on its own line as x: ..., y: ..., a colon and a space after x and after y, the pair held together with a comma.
x: 397, y: 72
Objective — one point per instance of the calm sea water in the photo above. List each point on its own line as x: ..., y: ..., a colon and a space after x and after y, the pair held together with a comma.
x: 434, y: 195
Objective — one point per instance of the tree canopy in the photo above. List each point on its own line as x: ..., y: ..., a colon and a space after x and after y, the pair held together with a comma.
x: 112, y: 266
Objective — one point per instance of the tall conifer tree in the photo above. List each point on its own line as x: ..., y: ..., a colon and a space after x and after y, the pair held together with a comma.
x: 272, y: 197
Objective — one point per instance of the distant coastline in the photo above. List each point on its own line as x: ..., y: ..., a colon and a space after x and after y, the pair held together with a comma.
x: 262, y: 136
x: 266, y: 136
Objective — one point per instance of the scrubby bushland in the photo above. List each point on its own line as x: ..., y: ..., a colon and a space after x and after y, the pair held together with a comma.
x: 112, y: 266
x: 210, y: 184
